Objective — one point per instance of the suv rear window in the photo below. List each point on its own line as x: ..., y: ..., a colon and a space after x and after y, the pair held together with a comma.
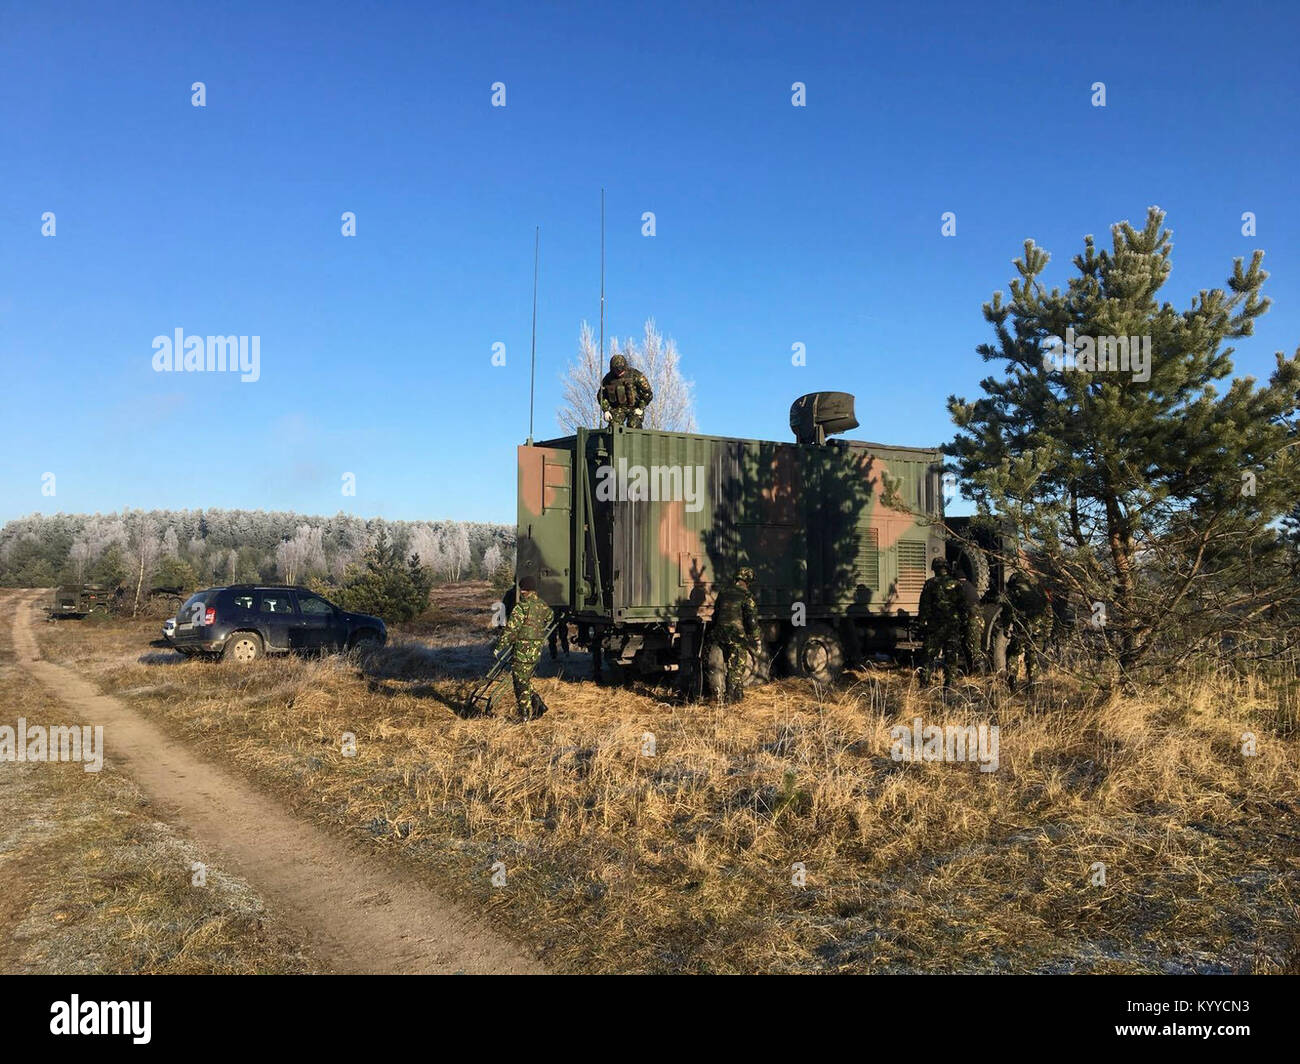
x: 192, y: 611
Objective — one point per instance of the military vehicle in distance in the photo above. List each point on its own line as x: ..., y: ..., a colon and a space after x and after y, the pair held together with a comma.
x: 629, y: 532
x: 81, y: 600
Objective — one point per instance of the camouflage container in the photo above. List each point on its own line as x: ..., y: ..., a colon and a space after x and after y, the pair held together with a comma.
x: 634, y: 529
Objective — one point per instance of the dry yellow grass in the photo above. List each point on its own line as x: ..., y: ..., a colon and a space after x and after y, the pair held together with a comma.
x: 683, y: 861
x: 92, y: 882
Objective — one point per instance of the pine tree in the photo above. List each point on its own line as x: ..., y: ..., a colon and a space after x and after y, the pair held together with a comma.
x: 1156, y: 498
x: 386, y: 586
x: 420, y: 581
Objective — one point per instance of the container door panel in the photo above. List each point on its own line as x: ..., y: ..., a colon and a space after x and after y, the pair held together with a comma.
x: 546, y: 521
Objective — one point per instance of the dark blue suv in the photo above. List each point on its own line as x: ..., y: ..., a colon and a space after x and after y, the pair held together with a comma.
x: 245, y: 621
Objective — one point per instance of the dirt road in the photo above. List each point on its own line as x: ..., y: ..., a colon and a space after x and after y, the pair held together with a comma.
x: 355, y: 914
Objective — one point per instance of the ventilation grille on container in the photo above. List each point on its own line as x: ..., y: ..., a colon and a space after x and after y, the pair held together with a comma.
x: 867, y: 569
x: 911, y: 568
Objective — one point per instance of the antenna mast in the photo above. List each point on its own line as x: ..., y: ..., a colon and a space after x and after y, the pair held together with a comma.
x: 532, y: 369
x: 602, y: 281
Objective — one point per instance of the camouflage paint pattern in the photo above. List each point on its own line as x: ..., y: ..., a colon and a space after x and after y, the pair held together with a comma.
x: 813, y: 521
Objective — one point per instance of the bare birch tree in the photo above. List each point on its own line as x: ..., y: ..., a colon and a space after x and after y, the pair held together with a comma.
x: 424, y: 542
x: 456, y: 551
x: 581, y: 382
x: 303, y: 554
x: 673, y: 407
x: 145, y: 548
x: 78, y: 558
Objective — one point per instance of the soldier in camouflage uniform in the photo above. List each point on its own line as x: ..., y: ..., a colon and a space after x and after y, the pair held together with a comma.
x: 624, y: 394
x: 735, y: 630
x: 525, y: 632
x: 972, y: 627
x: 940, y: 614
x: 1027, y: 619
x: 559, y: 639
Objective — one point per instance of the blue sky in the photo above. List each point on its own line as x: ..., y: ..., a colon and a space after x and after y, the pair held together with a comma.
x: 775, y: 224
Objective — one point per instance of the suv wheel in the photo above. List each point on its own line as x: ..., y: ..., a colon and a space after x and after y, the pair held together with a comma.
x: 242, y: 647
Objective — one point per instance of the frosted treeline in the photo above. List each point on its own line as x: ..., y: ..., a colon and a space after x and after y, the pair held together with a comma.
x: 142, y: 548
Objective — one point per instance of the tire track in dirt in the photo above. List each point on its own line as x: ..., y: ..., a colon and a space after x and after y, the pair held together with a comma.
x: 356, y: 914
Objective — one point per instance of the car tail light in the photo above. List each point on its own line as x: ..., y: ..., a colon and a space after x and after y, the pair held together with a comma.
x: 210, y: 616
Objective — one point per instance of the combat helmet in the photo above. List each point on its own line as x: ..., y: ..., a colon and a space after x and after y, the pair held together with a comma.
x: 618, y: 363
x: 745, y: 575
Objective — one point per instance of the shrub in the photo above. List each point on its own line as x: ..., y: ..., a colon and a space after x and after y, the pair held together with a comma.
x: 386, y: 586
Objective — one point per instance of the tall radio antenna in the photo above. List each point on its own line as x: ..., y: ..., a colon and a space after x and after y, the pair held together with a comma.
x: 532, y: 369
x: 602, y: 280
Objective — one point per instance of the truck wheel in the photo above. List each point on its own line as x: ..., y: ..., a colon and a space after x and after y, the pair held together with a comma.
x: 816, y: 652
x: 242, y: 647
x: 969, y: 561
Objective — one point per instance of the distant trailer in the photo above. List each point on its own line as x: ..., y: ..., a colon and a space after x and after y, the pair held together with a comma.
x: 630, y: 533
x: 80, y: 600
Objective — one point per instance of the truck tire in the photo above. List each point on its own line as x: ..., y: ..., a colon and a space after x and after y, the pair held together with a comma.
x: 816, y: 652
x: 969, y: 561
x: 242, y: 648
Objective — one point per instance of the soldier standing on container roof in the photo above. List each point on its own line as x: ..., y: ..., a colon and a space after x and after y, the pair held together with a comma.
x: 939, y: 615
x: 735, y: 630
x: 624, y: 394
x: 525, y: 632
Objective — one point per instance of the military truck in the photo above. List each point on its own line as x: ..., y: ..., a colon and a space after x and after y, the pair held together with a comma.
x: 630, y: 532
x: 80, y: 600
